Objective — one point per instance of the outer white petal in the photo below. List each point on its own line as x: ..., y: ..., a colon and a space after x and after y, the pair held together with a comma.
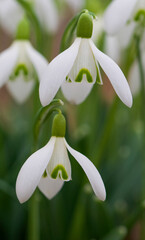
x: 60, y: 157
x: 47, y: 14
x: 50, y: 187
x: 20, y: 88
x: 91, y: 172
x: 56, y: 72
x: 76, y: 92
x: 117, y: 14
x: 10, y: 15
x: 114, y: 74
x: 8, y: 59
x: 38, y: 61
x: 32, y: 171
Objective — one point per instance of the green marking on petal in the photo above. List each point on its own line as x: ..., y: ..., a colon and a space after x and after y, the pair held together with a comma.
x: 45, y: 174
x: 68, y: 79
x: 21, y: 67
x: 57, y: 170
x: 98, y: 79
x: 140, y: 14
x: 83, y: 71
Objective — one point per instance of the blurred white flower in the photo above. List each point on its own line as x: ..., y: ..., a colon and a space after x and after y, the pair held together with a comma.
x: 77, y: 69
x: 10, y: 15
x: 49, y: 167
x: 134, y: 74
x: 119, y: 12
x: 45, y: 10
x: 19, y: 64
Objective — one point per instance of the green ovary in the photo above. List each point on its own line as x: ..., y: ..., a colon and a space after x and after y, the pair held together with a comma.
x: 57, y: 170
x: 83, y: 71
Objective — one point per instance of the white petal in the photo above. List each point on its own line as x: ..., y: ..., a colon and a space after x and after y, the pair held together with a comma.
x: 117, y: 14
x: 32, y: 171
x: 20, y: 88
x: 39, y: 62
x: 76, y: 92
x: 10, y: 15
x: 85, y: 60
x: 47, y: 14
x: 114, y: 74
x: 8, y: 59
x: 50, y: 187
x: 56, y: 72
x: 91, y: 172
x: 60, y: 158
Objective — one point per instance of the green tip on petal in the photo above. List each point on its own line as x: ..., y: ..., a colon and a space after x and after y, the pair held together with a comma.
x: 23, y: 30
x: 85, y: 26
x: 59, y: 125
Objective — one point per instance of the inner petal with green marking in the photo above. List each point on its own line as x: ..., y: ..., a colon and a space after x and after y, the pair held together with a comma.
x: 59, y: 164
x: 84, y: 68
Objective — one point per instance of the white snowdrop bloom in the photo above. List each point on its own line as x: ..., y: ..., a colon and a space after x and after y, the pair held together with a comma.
x: 50, y: 167
x: 45, y: 11
x: 10, y: 15
x: 134, y: 74
x: 47, y: 14
x: 119, y: 12
x: 77, y: 69
x: 19, y: 65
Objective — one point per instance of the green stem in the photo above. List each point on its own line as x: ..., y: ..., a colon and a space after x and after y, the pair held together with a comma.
x: 33, y: 218
x: 100, y: 148
x: 142, y: 81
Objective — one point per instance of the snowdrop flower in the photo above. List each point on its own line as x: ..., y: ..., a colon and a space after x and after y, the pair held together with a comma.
x: 45, y: 11
x: 50, y: 167
x: 119, y: 12
x: 77, y: 69
x: 10, y: 15
x: 134, y: 74
x: 47, y: 14
x: 19, y: 65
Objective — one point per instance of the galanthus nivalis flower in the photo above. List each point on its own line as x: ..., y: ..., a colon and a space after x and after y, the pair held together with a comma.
x: 10, y: 15
x: 119, y: 12
x: 50, y: 166
x: 77, y: 69
x: 45, y: 11
x: 20, y: 64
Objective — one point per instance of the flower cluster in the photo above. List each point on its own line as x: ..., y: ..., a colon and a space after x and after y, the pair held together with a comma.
x: 75, y: 71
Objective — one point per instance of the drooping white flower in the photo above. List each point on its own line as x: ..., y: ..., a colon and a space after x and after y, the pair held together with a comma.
x: 11, y: 12
x: 119, y: 12
x: 134, y: 73
x: 19, y: 65
x: 50, y: 166
x: 10, y: 15
x: 77, y: 69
